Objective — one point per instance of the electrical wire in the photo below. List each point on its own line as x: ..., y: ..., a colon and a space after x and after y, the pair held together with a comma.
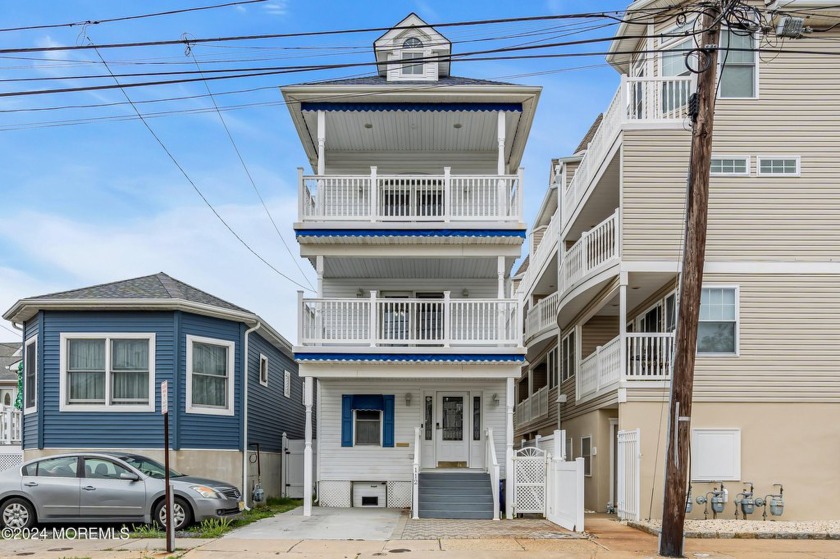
x: 128, y: 18
x: 192, y: 182
x: 250, y: 177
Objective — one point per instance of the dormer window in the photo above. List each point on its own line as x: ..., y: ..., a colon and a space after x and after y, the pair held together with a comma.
x: 416, y: 68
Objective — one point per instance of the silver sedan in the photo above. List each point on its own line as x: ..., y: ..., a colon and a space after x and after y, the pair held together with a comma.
x: 108, y: 487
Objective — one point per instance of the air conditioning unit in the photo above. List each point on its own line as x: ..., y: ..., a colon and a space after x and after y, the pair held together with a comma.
x: 369, y: 493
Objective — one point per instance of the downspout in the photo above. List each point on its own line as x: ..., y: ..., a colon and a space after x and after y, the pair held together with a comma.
x: 245, y: 419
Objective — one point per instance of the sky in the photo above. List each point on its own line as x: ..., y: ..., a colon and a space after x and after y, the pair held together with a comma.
x: 88, y: 196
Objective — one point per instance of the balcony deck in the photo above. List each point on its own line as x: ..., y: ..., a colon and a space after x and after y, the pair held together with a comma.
x: 390, y: 323
x: 533, y: 408
x: 542, y: 317
x: 396, y: 200
x: 648, y: 357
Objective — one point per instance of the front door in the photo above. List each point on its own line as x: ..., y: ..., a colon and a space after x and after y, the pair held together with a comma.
x: 452, y: 433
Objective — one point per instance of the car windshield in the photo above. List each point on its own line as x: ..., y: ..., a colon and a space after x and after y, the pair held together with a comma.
x: 150, y: 467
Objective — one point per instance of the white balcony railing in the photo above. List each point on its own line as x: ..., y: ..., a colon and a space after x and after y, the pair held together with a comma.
x: 638, y: 100
x: 532, y: 408
x: 10, y: 425
x: 595, y: 249
x: 545, y: 250
x: 542, y: 316
x: 409, y: 198
x: 649, y: 357
x: 387, y: 322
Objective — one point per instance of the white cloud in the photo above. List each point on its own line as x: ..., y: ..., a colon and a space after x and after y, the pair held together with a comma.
x: 276, y: 7
x: 188, y: 243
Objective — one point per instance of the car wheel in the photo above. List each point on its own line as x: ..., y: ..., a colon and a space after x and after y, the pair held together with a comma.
x: 17, y: 513
x: 182, y: 517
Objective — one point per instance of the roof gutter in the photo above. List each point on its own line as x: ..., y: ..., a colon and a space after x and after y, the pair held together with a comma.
x: 245, y: 371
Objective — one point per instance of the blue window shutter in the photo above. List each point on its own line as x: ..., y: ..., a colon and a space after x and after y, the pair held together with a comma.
x: 388, y: 421
x: 346, y: 420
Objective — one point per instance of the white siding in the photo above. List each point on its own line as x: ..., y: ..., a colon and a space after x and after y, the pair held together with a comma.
x: 393, y: 464
x: 478, y: 289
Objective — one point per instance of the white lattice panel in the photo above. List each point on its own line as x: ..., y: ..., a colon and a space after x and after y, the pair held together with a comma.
x: 11, y: 459
x: 529, y: 466
x: 399, y: 494
x: 335, y: 494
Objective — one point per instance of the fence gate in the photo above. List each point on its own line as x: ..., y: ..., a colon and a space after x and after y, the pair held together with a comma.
x: 629, y: 458
x: 530, y: 466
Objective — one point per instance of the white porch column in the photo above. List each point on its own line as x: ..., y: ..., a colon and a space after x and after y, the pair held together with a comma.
x: 509, y: 450
x: 322, y: 137
x: 319, y: 269
x: 307, y: 448
x: 500, y: 130
x: 500, y: 276
x: 622, y: 323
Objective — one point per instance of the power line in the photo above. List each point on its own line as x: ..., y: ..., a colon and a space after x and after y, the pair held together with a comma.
x: 127, y: 18
x: 194, y: 185
x: 585, y: 15
x: 251, y: 178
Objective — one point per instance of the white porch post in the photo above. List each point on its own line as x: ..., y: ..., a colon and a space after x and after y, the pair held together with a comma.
x: 307, y: 449
x: 322, y: 137
x: 500, y: 276
x: 319, y: 269
x: 509, y: 450
x: 500, y: 129
x: 622, y: 324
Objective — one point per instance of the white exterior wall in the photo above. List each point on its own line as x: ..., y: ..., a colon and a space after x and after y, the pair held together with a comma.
x: 394, y: 464
x: 478, y: 288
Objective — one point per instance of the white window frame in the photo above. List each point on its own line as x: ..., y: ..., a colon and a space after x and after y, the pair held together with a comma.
x: 720, y: 59
x: 405, y: 63
x: 63, y: 385
x: 287, y: 384
x: 263, y: 360
x: 562, y: 346
x: 34, y: 407
x: 745, y: 158
x: 699, y: 476
x: 761, y: 158
x: 737, y: 289
x: 204, y: 410
x: 584, y: 456
x: 381, y: 429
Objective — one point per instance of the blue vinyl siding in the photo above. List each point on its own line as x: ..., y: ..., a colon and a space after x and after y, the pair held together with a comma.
x: 30, y: 422
x: 102, y: 429
x: 210, y: 431
x: 270, y: 413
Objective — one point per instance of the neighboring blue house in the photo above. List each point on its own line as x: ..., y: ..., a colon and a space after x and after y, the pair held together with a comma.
x: 94, y: 360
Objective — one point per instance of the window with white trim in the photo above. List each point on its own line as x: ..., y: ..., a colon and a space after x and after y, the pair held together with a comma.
x: 367, y: 427
x: 737, y: 68
x: 263, y: 370
x: 107, y: 371
x: 287, y: 384
x: 30, y: 375
x: 586, y: 454
x: 730, y: 166
x: 553, y: 367
x: 210, y: 384
x: 778, y: 166
x: 412, y: 68
x: 568, y: 358
x: 717, y: 331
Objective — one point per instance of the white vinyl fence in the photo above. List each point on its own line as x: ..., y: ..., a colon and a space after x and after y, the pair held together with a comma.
x: 629, y: 481
x: 292, y: 471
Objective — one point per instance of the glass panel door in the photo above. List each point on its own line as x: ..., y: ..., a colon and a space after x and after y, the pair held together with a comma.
x: 453, y: 418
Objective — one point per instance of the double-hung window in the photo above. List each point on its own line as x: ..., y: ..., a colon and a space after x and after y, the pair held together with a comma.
x: 210, y: 380
x: 111, y: 372
x: 717, y: 331
x: 737, y: 66
x: 263, y: 370
x: 568, y: 360
x: 30, y: 375
x: 413, y: 51
x: 368, y: 427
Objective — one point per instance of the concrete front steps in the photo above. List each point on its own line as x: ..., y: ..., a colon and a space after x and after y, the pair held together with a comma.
x: 466, y: 495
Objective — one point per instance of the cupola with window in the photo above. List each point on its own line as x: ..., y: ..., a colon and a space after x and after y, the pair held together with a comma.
x: 412, y: 51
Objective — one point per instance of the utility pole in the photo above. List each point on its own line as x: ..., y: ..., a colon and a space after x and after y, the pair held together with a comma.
x: 685, y: 345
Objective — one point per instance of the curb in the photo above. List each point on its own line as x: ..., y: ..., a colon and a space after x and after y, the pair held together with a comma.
x: 742, y: 535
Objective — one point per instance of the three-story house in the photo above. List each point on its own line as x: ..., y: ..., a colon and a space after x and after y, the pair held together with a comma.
x: 412, y: 219
x: 766, y: 383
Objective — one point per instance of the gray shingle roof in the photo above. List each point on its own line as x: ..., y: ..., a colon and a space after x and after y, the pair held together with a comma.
x: 157, y: 286
x: 7, y: 357
x: 590, y: 133
x: 380, y: 80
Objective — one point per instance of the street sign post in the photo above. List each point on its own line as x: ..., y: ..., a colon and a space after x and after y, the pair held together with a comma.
x: 170, y: 504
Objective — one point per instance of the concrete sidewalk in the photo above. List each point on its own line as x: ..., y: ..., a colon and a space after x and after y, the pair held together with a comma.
x: 607, y: 539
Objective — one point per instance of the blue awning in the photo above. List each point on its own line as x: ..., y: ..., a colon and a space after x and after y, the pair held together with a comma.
x: 430, y: 107
x: 410, y: 233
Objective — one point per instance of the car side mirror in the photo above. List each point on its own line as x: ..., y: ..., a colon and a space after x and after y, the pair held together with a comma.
x: 129, y: 476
